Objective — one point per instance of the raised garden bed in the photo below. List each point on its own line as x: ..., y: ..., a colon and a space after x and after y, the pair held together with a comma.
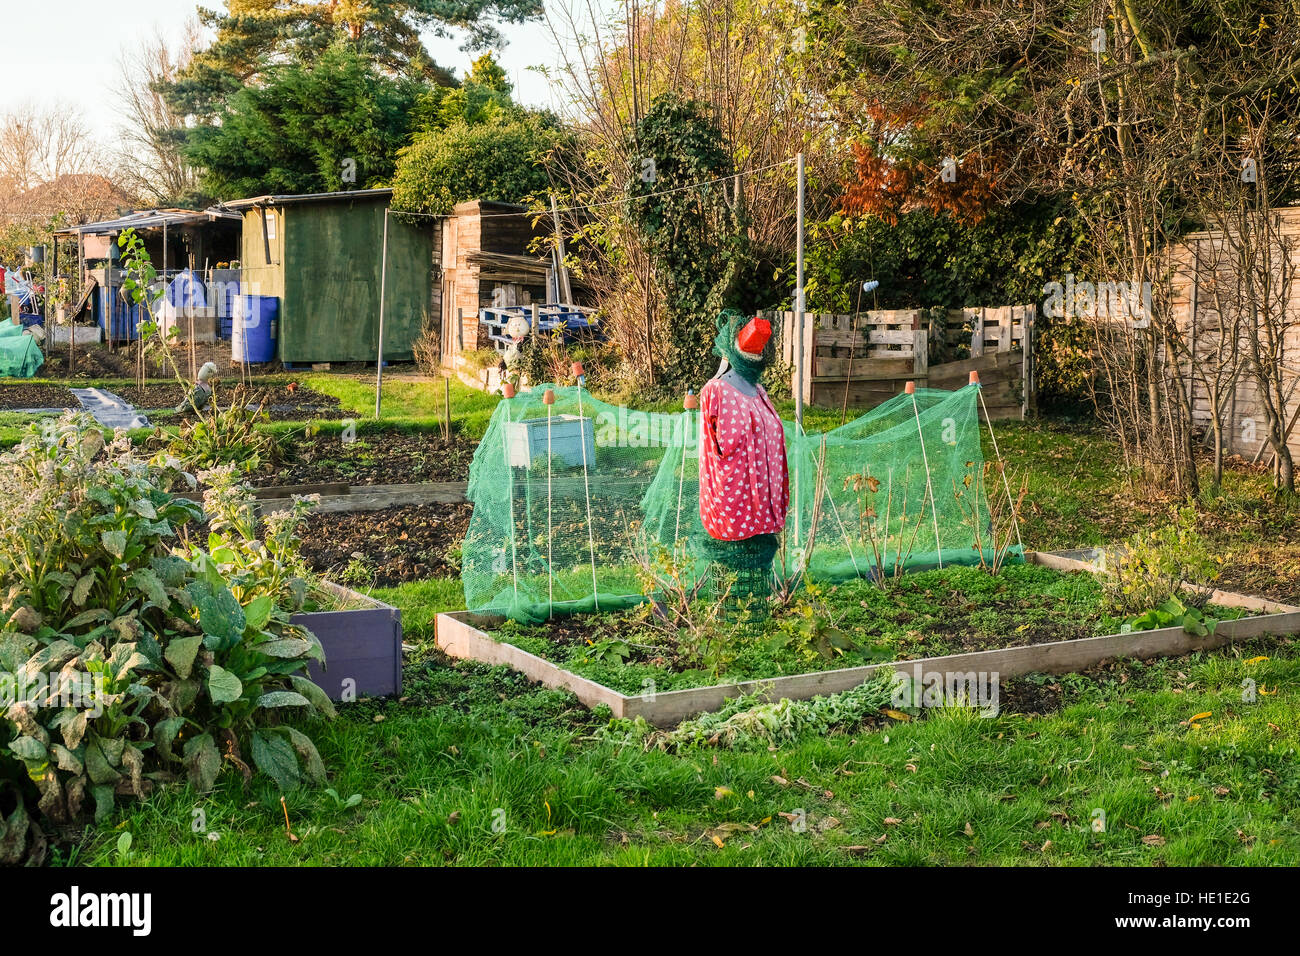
x: 389, y: 546
x: 375, y: 458
x: 362, y: 640
x: 22, y: 395
x: 465, y: 635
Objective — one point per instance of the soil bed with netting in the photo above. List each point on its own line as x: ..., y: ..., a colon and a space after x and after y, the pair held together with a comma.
x: 926, y: 614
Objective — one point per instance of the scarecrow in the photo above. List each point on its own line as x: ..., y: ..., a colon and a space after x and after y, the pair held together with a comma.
x: 744, y: 480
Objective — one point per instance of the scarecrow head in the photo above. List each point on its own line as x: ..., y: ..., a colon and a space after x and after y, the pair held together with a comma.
x: 746, y: 343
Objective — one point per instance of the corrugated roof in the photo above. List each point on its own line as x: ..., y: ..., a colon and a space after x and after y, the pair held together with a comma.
x: 291, y: 200
x: 147, y: 219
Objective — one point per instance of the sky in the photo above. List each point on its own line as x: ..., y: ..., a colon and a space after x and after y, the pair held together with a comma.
x: 67, y: 51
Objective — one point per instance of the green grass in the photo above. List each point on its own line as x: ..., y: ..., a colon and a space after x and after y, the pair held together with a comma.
x: 410, y: 403
x: 478, y: 767
x: 421, y: 602
x: 14, y: 426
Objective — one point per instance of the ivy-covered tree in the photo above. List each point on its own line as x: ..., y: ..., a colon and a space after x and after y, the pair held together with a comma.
x: 308, y: 128
x: 691, y: 231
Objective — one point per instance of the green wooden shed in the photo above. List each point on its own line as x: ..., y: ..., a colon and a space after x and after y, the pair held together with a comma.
x: 320, y: 255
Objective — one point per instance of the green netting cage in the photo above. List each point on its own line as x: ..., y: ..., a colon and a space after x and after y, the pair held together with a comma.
x: 20, y: 356
x: 580, y: 505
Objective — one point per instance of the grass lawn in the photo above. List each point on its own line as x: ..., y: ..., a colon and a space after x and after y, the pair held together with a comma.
x: 475, y: 766
x: 409, y: 402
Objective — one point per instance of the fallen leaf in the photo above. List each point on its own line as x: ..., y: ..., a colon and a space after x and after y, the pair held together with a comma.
x: 896, y: 714
x: 892, y: 821
x: 721, y: 793
x: 780, y: 781
x: 1154, y: 839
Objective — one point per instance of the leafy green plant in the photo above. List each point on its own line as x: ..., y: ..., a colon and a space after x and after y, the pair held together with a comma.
x: 806, y: 628
x: 341, y: 803
x: 1174, y: 613
x: 1153, y: 566
x: 751, y: 721
x: 124, y: 848
x: 610, y: 650
x: 136, y: 660
x: 228, y: 435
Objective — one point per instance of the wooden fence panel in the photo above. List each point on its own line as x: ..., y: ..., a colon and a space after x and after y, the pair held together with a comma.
x: 869, y: 357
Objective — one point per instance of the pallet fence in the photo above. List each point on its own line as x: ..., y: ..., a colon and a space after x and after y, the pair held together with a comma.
x: 874, y: 354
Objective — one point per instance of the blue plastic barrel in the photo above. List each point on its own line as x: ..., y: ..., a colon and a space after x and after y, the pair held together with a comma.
x: 253, y: 328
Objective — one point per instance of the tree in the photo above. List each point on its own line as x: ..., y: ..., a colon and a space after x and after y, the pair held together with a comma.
x: 689, y: 230
x: 39, y: 145
x: 1113, y: 104
x: 743, y: 63
x: 484, y: 95
x: 153, y: 131
x: 255, y: 36
x: 335, y: 124
x: 502, y: 160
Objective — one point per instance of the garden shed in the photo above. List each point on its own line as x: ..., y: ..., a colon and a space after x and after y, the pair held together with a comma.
x: 175, y: 240
x: 1211, y: 305
x: 320, y: 255
x: 485, y: 257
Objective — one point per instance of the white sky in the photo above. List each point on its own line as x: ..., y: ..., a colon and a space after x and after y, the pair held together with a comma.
x: 67, y: 51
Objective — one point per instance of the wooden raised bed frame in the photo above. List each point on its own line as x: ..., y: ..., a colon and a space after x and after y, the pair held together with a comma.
x: 460, y: 634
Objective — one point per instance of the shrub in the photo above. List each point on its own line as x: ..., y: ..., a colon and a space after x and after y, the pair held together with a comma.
x: 131, y: 657
x: 500, y: 160
x: 1151, y: 567
x: 218, y: 436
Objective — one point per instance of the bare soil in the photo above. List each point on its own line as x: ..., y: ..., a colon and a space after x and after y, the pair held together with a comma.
x: 404, y: 543
x: 20, y: 395
x: 383, y: 458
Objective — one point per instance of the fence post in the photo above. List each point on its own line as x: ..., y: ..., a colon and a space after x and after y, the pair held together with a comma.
x: 921, y: 355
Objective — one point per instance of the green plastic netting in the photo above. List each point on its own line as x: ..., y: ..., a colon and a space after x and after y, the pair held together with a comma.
x: 583, y: 506
x: 20, y: 356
